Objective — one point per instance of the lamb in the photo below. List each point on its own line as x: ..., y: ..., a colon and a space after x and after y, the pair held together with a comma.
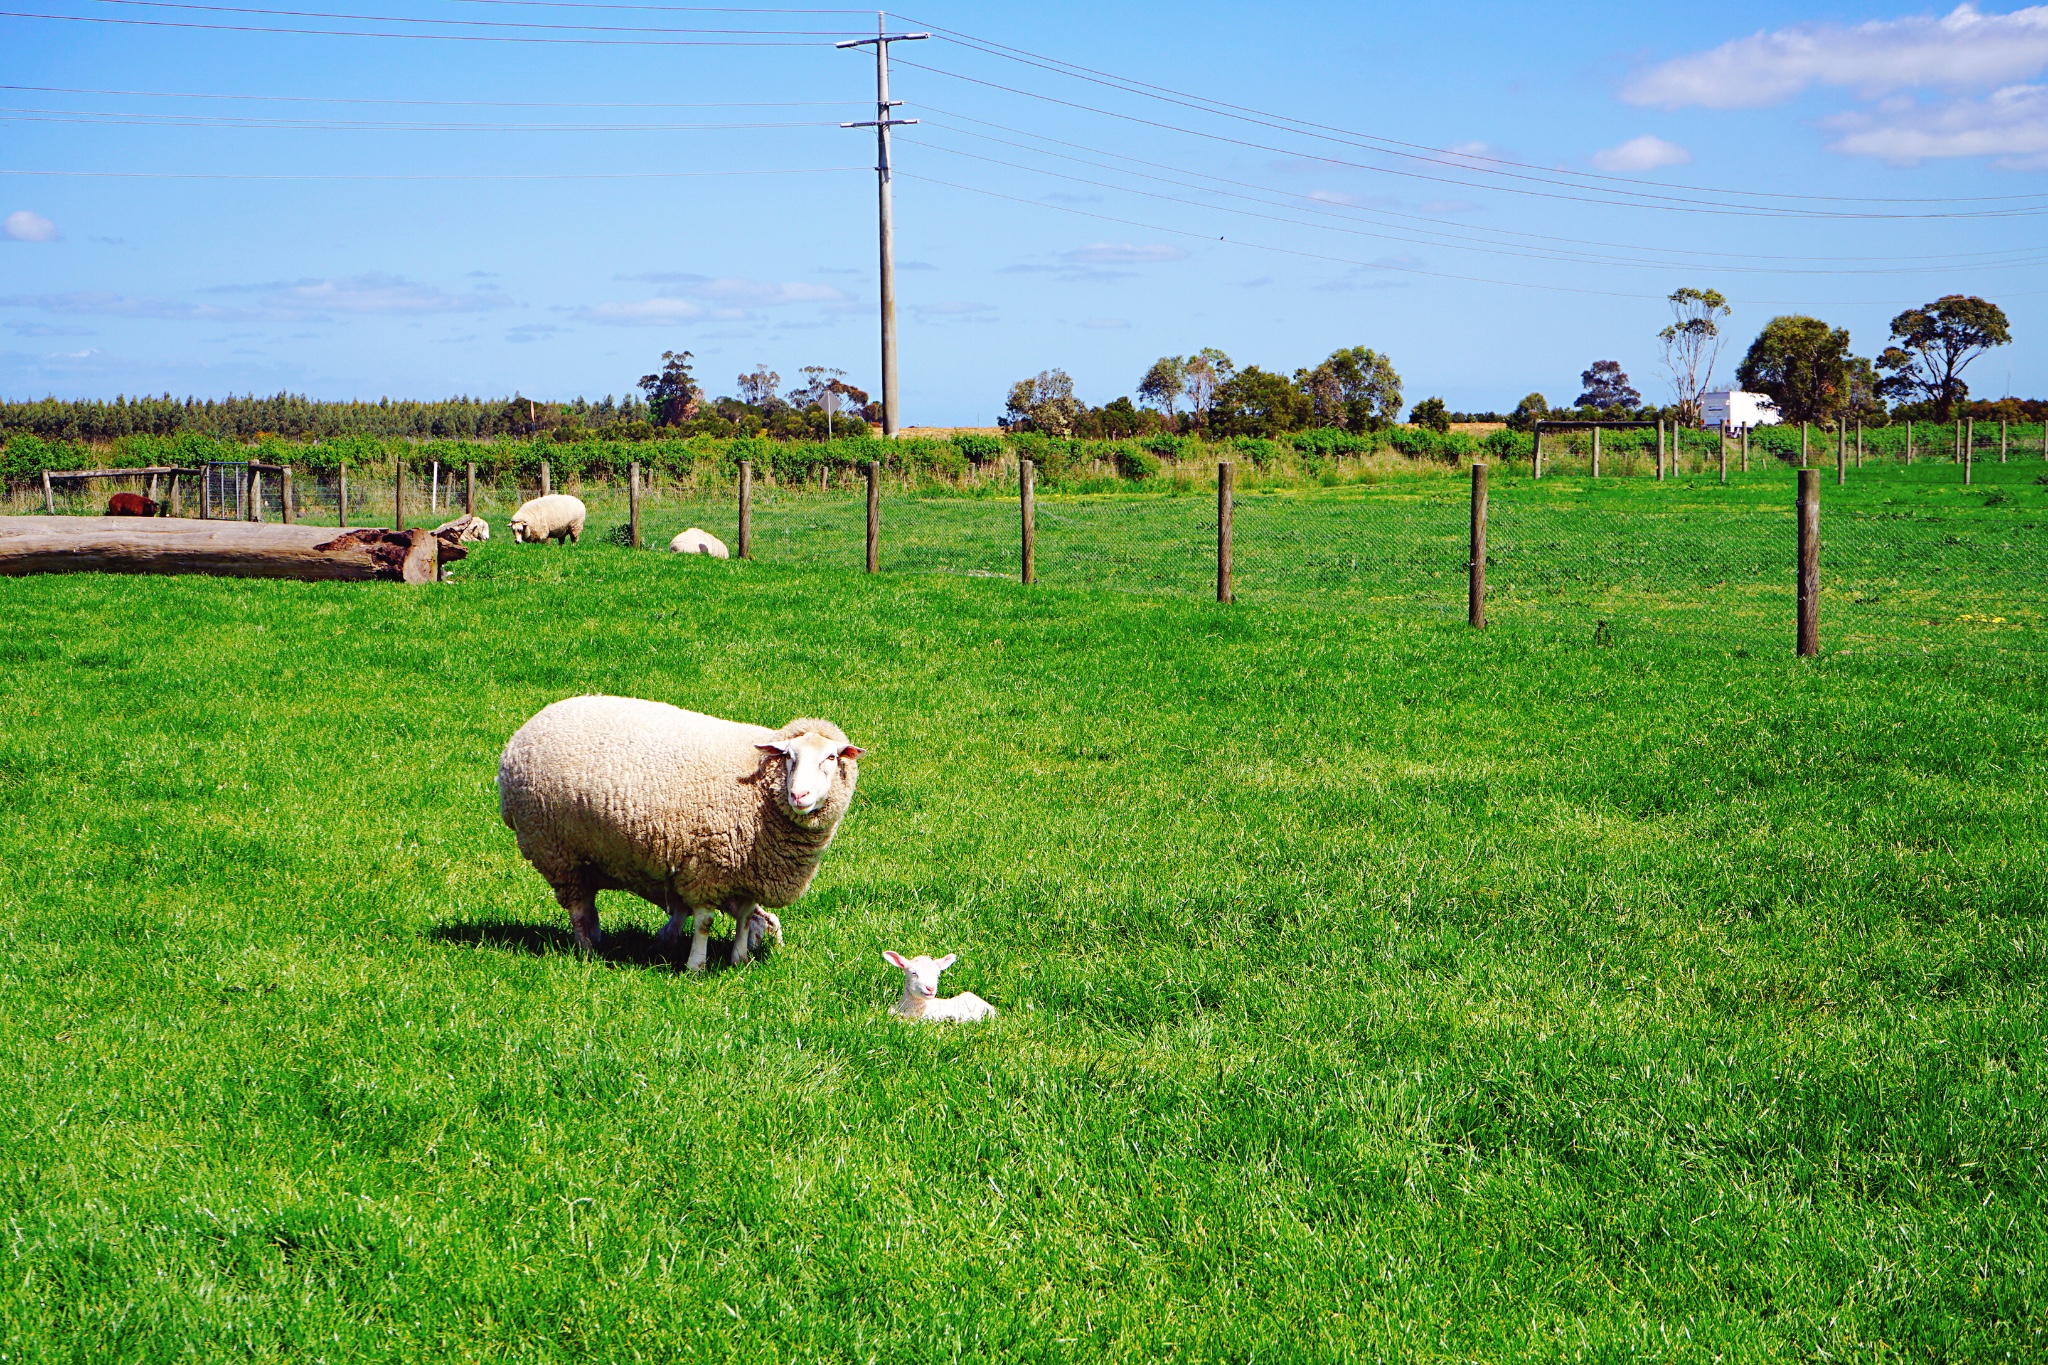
x: 697, y: 541
x: 130, y: 505
x: 554, y: 517
x: 921, y: 989
x: 687, y: 811
x: 466, y: 529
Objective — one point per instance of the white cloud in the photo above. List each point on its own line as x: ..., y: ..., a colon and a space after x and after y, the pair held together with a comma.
x: 1105, y: 324
x: 645, y: 313
x: 24, y: 226
x: 1123, y: 253
x: 101, y: 303
x: 1964, y: 50
x: 2010, y: 124
x: 371, y: 294
x: 1645, y: 153
x: 741, y: 293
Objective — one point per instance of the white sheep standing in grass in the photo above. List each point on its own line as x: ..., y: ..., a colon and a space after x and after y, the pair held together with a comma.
x: 554, y: 517
x: 920, y: 999
x: 698, y: 541
x: 687, y: 811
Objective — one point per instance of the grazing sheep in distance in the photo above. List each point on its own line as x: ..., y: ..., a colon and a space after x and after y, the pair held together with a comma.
x: 554, y: 517
x: 130, y: 505
x: 686, y: 811
x: 467, y: 529
x: 697, y: 541
x: 921, y: 990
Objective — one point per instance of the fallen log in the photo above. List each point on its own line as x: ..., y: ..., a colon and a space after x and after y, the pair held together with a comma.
x: 234, y: 549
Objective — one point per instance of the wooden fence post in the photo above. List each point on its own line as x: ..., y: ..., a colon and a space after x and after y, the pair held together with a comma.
x: 1841, y: 452
x: 1536, y: 454
x: 1745, y: 448
x: 1969, y: 438
x: 1475, y: 585
x: 1809, y: 562
x: 49, y: 495
x: 1805, y: 444
x: 1660, y: 453
x: 469, y: 490
x: 252, y: 490
x: 1909, y: 441
x: 874, y: 516
x: 746, y: 509
x: 1724, y: 452
x: 1968, y: 453
x: 1859, y: 443
x: 398, y: 495
x: 633, y: 502
x: 176, y: 506
x: 341, y: 500
x: 1027, y: 502
x: 1225, y: 588
x: 2003, y: 423
x: 1596, y: 452
x: 546, y: 482
x: 433, y: 489
x: 285, y: 494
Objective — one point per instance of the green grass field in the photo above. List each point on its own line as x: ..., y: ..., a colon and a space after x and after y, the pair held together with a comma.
x: 1371, y: 989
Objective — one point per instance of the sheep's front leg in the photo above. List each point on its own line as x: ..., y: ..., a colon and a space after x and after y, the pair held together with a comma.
x: 750, y: 926
x: 700, y: 940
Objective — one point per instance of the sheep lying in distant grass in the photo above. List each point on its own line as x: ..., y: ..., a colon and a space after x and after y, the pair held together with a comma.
x: 921, y: 991
x: 687, y: 811
x: 467, y: 529
x: 697, y: 541
x: 554, y: 517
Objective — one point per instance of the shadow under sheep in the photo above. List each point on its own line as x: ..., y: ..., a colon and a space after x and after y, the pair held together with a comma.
x: 626, y: 946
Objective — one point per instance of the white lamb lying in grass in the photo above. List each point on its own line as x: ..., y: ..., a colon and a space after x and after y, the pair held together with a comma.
x: 698, y: 541
x: 921, y: 991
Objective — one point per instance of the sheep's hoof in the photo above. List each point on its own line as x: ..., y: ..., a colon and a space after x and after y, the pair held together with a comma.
x: 763, y: 925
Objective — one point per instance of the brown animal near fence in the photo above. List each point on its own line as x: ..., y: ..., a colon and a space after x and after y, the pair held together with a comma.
x: 131, y: 505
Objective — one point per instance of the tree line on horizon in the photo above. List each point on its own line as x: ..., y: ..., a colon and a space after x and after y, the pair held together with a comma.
x: 1803, y: 364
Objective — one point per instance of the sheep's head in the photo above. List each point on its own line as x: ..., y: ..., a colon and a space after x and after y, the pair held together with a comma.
x: 819, y: 770
x: 920, y: 974
x: 518, y: 531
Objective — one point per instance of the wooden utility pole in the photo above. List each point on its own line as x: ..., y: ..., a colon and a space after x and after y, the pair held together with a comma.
x: 882, y: 123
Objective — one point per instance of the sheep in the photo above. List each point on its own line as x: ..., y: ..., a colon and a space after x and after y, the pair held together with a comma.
x: 697, y: 541
x: 554, y: 517
x: 467, y: 529
x: 130, y: 505
x: 921, y: 989
x: 687, y: 811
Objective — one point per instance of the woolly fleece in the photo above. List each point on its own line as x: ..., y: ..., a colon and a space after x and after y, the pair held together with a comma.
x: 677, y: 807
x: 554, y: 517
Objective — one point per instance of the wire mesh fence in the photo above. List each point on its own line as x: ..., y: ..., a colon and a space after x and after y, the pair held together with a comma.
x: 1912, y: 557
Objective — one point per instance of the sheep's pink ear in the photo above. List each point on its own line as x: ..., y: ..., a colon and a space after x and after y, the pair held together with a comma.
x: 948, y: 960
x: 851, y: 751
x: 895, y: 959
x: 773, y: 746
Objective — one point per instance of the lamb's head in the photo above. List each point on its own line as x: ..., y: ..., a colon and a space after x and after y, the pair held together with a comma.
x: 818, y: 772
x: 920, y: 974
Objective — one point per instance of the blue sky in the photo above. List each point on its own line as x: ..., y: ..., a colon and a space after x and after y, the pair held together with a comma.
x: 422, y: 216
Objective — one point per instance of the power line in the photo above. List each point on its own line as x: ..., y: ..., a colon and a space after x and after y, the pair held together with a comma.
x: 1562, y: 257
x: 96, y: 118
x: 521, y: 175
x: 1394, y: 146
x: 447, y: 104
x: 423, y: 37
x: 1675, y: 205
x: 1326, y: 208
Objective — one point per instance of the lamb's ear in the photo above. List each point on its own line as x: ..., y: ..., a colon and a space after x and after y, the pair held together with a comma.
x: 851, y: 751
x: 948, y: 960
x: 774, y: 746
x: 895, y: 959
